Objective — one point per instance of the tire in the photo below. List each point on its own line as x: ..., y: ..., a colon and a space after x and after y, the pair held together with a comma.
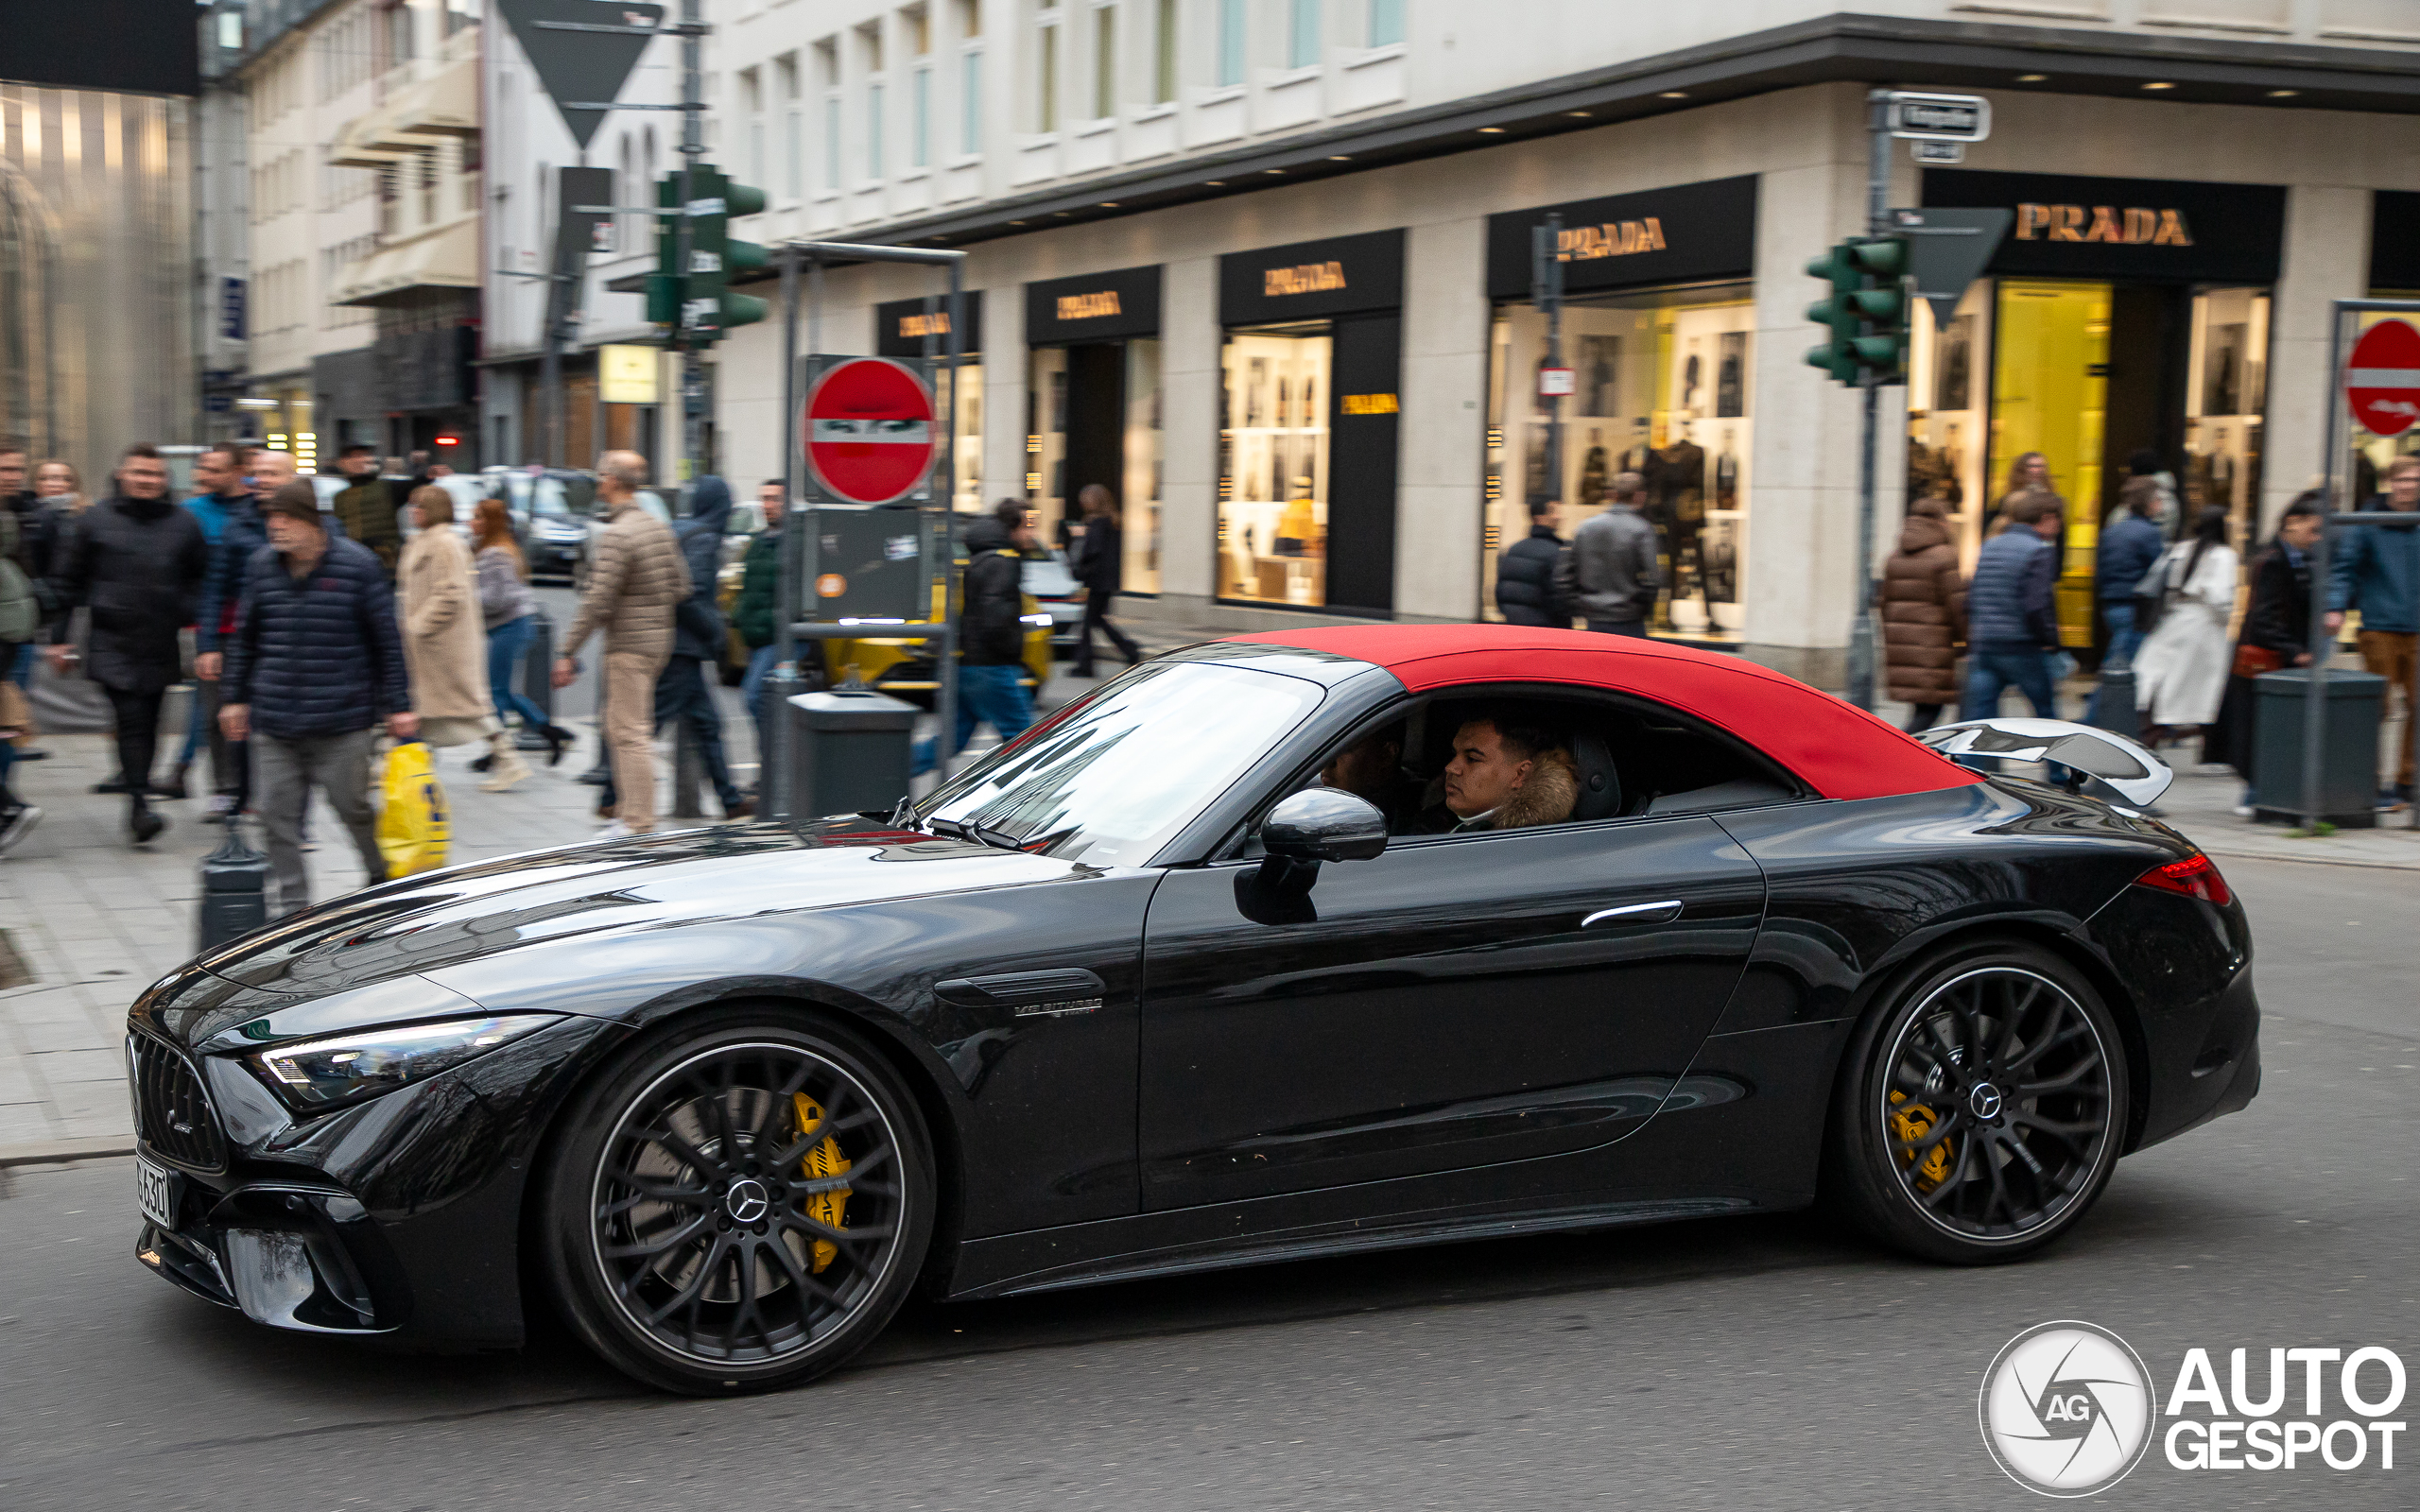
x: 692, y: 1270
x: 1981, y: 1109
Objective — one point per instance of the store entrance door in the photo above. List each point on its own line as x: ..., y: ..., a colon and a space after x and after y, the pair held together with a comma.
x: 1096, y: 441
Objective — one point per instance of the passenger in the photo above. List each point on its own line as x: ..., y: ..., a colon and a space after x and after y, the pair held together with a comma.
x: 1371, y: 769
x: 1505, y: 774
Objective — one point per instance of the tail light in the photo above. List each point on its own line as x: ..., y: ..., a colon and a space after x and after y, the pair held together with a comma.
x: 2196, y: 876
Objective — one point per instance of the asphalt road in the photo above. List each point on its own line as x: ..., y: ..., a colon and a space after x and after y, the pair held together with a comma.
x: 1725, y: 1364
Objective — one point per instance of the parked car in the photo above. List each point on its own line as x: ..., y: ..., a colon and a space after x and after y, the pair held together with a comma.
x: 1053, y: 588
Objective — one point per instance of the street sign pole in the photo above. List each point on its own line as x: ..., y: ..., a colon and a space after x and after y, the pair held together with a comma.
x: 693, y: 147
x: 1862, y: 631
x: 1545, y: 291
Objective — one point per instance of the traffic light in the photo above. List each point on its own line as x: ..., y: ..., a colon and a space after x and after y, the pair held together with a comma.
x: 697, y: 298
x: 1867, y: 313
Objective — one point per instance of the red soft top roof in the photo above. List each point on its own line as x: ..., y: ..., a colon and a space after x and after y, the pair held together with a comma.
x: 1834, y: 748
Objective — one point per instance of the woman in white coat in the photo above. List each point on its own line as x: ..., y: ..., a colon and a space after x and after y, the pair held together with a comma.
x: 2180, y: 672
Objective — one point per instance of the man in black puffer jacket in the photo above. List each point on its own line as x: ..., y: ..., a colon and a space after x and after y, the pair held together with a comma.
x: 138, y: 561
x: 1529, y: 590
x: 314, y: 665
x: 991, y: 631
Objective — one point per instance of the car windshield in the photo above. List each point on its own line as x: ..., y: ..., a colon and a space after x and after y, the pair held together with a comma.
x: 546, y: 500
x: 1113, y: 778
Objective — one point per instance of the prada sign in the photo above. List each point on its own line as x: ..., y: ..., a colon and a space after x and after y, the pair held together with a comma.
x: 2136, y: 229
x: 899, y: 326
x: 1311, y: 281
x: 1690, y: 234
x: 1092, y: 307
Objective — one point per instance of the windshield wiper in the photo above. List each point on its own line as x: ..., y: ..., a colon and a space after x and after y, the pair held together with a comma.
x: 968, y: 830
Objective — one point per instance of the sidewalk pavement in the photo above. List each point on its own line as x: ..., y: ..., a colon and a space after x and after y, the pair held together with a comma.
x: 87, y: 921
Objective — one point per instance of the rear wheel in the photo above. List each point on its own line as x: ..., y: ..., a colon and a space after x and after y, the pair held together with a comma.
x: 1982, y: 1109
x: 742, y: 1204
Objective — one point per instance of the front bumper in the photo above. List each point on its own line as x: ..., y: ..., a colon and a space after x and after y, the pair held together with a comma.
x: 399, y: 1215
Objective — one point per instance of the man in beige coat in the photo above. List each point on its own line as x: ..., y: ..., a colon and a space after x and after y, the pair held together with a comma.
x: 633, y: 586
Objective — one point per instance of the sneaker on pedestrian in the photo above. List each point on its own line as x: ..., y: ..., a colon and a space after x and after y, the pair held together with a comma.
x: 221, y: 805
x: 508, y: 771
x: 115, y: 785
x: 2243, y: 810
x: 2391, y: 801
x: 17, y: 823
x: 146, y: 826
x: 616, y: 830
x: 174, y: 786
x: 739, y: 808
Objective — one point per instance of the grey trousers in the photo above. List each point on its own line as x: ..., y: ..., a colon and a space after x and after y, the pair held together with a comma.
x: 283, y: 772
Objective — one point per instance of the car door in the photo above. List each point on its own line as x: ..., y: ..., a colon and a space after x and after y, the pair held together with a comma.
x: 1457, y: 1000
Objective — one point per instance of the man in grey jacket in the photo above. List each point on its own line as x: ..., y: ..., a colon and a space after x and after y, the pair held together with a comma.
x: 1613, y: 563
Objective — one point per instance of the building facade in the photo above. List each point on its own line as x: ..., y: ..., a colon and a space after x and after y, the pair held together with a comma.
x: 1262, y: 269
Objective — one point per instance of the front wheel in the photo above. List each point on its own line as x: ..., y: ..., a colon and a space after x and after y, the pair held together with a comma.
x: 742, y: 1204
x: 1982, y: 1109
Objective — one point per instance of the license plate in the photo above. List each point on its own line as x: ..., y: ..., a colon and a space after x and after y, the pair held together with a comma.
x: 157, y: 1187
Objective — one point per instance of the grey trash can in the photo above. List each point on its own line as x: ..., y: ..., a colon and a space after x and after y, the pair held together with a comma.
x: 2348, y: 784
x: 850, y: 751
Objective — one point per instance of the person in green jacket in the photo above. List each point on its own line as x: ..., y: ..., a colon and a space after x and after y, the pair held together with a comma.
x: 367, y: 508
x: 760, y: 592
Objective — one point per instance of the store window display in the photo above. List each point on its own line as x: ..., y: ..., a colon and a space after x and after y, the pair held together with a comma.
x: 1660, y: 387
x: 1273, y: 465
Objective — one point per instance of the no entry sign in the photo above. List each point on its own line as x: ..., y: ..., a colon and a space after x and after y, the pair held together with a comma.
x: 868, y: 430
x: 2383, y: 381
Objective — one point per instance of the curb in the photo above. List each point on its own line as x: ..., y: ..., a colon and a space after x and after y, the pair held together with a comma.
x: 59, y: 1151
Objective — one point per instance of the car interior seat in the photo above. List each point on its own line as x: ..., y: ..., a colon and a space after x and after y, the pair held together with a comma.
x: 1601, y: 784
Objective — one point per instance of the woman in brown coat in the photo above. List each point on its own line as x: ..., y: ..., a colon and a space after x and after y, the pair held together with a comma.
x: 445, y: 641
x: 1924, y: 614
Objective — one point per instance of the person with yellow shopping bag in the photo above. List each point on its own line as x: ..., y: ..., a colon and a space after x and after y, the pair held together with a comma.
x: 314, y: 668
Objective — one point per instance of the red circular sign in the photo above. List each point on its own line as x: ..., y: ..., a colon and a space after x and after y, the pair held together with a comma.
x: 870, y: 436
x: 2383, y: 381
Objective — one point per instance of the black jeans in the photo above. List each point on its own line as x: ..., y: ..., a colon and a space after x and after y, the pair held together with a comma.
x: 138, y: 739
x: 1096, y: 614
x: 1923, y: 716
x: 682, y: 692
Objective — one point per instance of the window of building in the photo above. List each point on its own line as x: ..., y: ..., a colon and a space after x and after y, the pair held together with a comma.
x: 1272, y: 467
x: 1104, y: 62
x: 827, y: 77
x: 1386, y: 22
x: 1164, y: 53
x: 1231, y: 41
x: 793, y: 127
x: 1661, y: 387
x: 970, y: 102
x: 1046, y: 81
x: 970, y: 19
x: 920, y: 107
x: 873, y: 129
x: 398, y: 33
x: 1301, y: 33
x: 752, y: 102
x: 918, y: 25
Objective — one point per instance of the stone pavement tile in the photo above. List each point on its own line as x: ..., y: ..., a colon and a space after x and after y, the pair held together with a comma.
x: 57, y: 1067
x: 41, y: 1004
x: 88, y: 1108
x: 54, y: 1038
x: 25, y: 1123
x: 16, y: 1086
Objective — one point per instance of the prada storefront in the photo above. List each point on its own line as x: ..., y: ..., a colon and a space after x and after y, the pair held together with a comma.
x: 1311, y: 363
x: 900, y: 330
x: 2120, y: 315
x: 1659, y: 332
x: 1093, y: 407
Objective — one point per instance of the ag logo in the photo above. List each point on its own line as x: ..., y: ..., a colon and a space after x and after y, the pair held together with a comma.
x: 2066, y: 1409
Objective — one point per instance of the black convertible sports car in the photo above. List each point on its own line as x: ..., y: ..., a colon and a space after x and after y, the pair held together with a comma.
x: 1142, y: 993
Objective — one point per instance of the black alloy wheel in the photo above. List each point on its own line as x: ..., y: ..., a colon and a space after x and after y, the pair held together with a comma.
x: 742, y: 1204
x: 1982, y: 1109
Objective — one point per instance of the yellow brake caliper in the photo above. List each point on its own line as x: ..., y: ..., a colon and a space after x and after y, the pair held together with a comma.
x: 1911, y: 1125
x: 825, y: 1160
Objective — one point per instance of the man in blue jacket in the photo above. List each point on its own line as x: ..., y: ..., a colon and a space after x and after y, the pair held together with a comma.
x: 313, y: 666
x: 2011, y: 630
x: 2130, y: 544
x: 2378, y: 571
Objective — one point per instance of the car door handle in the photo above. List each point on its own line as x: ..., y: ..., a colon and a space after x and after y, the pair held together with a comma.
x: 1655, y: 913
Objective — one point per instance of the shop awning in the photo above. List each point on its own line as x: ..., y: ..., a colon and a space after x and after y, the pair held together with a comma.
x: 413, y: 120
x: 446, y: 258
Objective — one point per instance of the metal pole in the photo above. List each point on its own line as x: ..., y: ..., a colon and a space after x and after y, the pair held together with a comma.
x: 2322, y: 640
x: 774, y: 731
x: 693, y: 147
x: 946, y: 670
x: 1545, y: 290
x: 1862, y: 631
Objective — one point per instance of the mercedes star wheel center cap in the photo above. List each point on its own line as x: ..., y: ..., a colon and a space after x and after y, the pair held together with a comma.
x: 746, y: 1201
x: 1984, y: 1100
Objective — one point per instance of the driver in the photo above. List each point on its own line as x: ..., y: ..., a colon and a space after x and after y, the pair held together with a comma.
x: 1371, y: 769
x: 1505, y: 774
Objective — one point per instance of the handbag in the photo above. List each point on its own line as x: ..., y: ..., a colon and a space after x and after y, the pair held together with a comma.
x: 2251, y: 661
x: 2151, y: 594
x: 413, y: 823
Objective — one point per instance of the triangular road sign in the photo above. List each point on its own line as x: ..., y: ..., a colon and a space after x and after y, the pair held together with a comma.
x: 1948, y: 250
x: 580, y: 67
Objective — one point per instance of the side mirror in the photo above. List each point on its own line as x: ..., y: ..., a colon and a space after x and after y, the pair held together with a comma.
x: 1324, y: 824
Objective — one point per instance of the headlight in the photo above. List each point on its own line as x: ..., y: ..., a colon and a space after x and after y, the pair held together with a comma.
x: 322, y: 1074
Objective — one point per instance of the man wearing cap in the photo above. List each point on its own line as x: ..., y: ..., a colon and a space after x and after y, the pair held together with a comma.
x: 314, y: 665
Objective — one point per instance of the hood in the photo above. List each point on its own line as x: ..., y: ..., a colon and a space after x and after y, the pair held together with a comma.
x: 709, y: 507
x: 1927, y: 526
x: 983, y: 533
x: 614, y: 897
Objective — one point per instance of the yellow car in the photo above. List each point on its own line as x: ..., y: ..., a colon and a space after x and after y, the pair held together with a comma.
x: 897, y: 665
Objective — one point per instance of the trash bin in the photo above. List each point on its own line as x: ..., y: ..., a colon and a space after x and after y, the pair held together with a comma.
x: 849, y: 750
x: 235, y: 900
x: 2348, y: 782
